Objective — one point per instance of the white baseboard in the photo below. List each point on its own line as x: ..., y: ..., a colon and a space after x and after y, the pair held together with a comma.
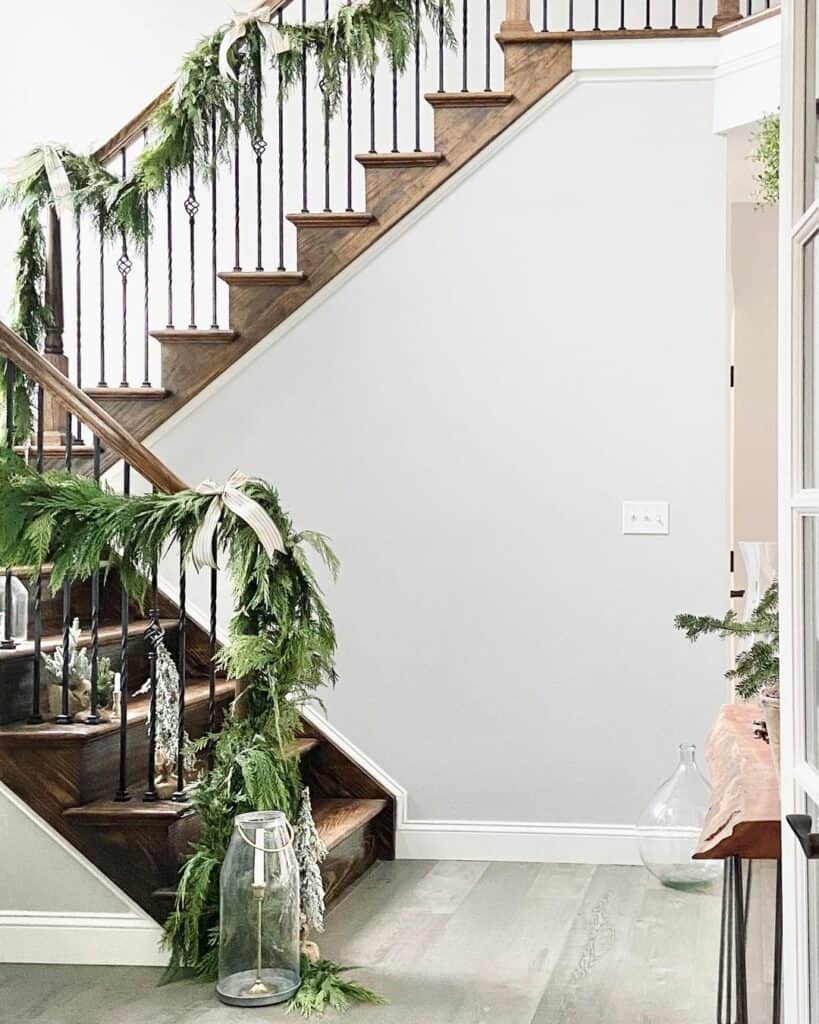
x: 32, y: 937
x: 542, y: 842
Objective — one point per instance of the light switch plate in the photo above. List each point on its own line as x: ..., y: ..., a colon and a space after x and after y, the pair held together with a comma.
x: 645, y: 517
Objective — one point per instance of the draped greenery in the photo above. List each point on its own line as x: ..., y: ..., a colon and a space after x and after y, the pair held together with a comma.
x: 282, y: 646
x: 197, y: 124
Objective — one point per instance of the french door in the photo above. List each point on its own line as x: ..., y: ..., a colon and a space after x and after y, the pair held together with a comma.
x: 799, y: 509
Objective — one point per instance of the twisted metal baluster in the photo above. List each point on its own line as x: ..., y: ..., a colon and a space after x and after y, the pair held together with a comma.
x: 192, y: 208
x: 372, y: 112
x: 304, y: 207
x: 124, y: 266
x: 349, y: 207
x: 146, y: 331
x: 7, y: 643
x: 78, y: 294
x: 237, y: 256
x: 122, y: 793
x: 102, y: 381
x: 64, y: 718
x: 394, y: 110
x: 93, y: 716
x: 153, y: 635
x: 180, y: 794
x: 214, y: 323
x: 212, y: 643
x: 169, y: 215
x: 464, y: 46
x: 36, y: 717
x: 280, y: 104
x: 259, y: 146
x: 326, y: 133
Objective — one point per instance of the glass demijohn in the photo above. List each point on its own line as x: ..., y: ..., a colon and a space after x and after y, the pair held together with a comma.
x: 259, y: 913
x: 669, y: 830
x: 18, y: 624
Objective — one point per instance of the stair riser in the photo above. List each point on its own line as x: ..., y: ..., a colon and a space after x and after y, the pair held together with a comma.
x: 17, y: 677
x: 248, y: 303
x: 387, y: 185
x: 52, y: 604
x: 316, y: 245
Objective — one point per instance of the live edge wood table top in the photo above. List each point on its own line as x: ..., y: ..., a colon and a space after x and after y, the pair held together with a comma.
x: 744, y: 817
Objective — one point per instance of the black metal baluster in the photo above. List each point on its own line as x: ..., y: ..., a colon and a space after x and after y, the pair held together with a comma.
x: 394, y: 110
x: 180, y: 793
x: 212, y: 643
x: 597, y: 15
x: 169, y: 214
x: 146, y: 370
x: 153, y: 635
x: 673, y: 14
x: 36, y: 716
x: 122, y: 793
x: 259, y: 146
x: 571, y: 15
x: 326, y: 134
x: 546, y: 15
x: 64, y: 718
x: 237, y: 256
x: 7, y: 643
x: 280, y: 103
x: 464, y: 48
x: 349, y: 206
x: 192, y: 208
x: 304, y: 207
x: 700, y: 14
x: 488, y: 51
x: 214, y: 313
x: 622, y: 25
x: 102, y: 381
x: 372, y: 111
x: 648, y: 15
x: 417, y: 76
x: 124, y: 266
x: 93, y: 716
x: 78, y: 293
x: 440, y: 47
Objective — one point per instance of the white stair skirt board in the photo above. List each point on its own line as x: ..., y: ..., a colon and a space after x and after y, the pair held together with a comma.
x: 542, y: 842
x: 126, y: 938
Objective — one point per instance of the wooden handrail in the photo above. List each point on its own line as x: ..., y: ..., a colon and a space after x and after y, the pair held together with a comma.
x: 104, y: 426
x: 134, y: 128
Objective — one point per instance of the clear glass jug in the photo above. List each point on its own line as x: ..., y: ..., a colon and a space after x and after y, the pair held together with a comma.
x: 17, y: 626
x: 669, y: 830
x: 259, y: 913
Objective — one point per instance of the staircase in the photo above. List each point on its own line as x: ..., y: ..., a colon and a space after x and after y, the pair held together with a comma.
x: 94, y: 783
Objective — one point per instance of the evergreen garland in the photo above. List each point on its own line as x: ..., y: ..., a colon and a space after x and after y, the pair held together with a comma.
x: 766, y: 156
x: 181, y: 126
x: 282, y: 647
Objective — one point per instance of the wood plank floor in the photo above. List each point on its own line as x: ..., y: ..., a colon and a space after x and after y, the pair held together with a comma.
x: 454, y: 943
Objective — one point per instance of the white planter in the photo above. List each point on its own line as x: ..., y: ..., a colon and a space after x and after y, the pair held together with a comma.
x: 770, y: 708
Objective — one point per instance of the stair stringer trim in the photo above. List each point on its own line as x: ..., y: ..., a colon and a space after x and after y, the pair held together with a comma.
x: 128, y: 939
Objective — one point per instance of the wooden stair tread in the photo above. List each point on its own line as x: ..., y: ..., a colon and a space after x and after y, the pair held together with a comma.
x: 412, y: 159
x: 337, y: 819
x: 197, y: 694
x: 189, y: 335
x: 106, y: 634
x: 262, y: 278
x: 468, y: 99
x: 146, y: 394
x: 344, y: 219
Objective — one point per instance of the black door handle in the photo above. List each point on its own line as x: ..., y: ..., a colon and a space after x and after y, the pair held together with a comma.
x: 809, y: 841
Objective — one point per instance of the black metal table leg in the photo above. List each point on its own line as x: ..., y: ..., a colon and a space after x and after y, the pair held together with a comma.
x: 732, y: 986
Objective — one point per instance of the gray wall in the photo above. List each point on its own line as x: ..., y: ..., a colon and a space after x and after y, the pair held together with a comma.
x: 465, y: 416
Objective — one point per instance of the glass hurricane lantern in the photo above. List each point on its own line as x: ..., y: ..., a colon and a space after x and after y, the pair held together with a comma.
x: 259, y: 913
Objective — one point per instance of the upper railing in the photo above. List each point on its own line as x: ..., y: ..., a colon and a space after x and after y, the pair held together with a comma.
x: 107, y: 298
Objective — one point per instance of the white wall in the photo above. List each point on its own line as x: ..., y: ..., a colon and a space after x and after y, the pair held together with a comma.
x: 464, y: 417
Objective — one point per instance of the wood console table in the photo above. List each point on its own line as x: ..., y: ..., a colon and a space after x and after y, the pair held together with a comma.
x: 743, y: 823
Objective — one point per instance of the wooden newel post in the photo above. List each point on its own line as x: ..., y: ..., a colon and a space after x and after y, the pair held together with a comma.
x: 517, y: 17
x: 53, y: 413
x: 727, y: 11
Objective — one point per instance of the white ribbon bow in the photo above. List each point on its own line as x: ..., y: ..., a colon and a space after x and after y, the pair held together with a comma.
x: 232, y: 497
x: 48, y: 156
x: 260, y: 16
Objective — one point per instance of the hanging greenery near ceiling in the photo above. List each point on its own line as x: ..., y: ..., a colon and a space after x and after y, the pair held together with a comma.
x: 225, y: 95
x: 766, y: 157
x: 282, y: 646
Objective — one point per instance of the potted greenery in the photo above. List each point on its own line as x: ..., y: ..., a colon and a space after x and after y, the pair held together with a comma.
x: 79, y: 679
x: 756, y: 672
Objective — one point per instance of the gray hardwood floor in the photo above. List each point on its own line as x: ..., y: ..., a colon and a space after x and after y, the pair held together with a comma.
x: 454, y: 943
